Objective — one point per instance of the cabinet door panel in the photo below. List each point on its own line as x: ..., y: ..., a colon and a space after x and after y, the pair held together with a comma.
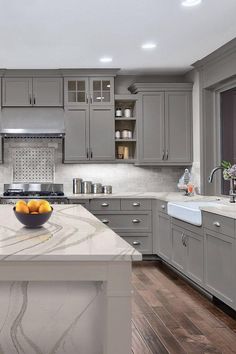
x: 76, y: 138
x: 178, y: 257
x: 17, y: 92
x: 219, y: 253
x: 101, y: 91
x: 164, y: 236
x: 47, y: 92
x: 76, y: 91
x: 194, y: 261
x: 178, y: 126
x: 152, y: 127
x: 102, y: 141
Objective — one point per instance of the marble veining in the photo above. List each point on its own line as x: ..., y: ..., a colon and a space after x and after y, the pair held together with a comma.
x: 50, y: 318
x: 72, y: 234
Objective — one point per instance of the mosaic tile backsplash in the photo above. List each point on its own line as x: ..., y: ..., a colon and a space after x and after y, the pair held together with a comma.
x: 123, y: 177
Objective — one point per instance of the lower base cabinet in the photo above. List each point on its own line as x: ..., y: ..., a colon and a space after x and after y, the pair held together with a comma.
x: 219, y: 256
x: 187, y: 253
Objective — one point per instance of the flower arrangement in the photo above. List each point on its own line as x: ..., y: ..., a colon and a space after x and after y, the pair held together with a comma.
x: 229, y: 171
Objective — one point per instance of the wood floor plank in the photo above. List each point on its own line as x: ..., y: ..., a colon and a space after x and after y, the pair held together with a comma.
x: 138, y: 344
x: 171, y: 317
x: 149, y: 335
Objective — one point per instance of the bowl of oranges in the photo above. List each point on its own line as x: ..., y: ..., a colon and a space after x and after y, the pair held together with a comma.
x: 34, y: 213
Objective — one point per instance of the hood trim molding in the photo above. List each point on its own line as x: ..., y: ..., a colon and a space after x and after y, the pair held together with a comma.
x: 46, y: 133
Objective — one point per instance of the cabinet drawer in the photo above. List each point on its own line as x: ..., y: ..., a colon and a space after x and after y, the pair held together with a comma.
x: 136, y: 204
x: 162, y: 206
x: 218, y: 223
x: 83, y: 202
x: 141, y: 243
x: 105, y: 204
x: 127, y: 222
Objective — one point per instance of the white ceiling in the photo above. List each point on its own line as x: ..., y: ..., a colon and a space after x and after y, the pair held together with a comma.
x: 76, y: 33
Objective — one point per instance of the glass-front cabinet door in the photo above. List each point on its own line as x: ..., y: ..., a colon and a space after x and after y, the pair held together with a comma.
x: 101, y: 91
x: 76, y: 91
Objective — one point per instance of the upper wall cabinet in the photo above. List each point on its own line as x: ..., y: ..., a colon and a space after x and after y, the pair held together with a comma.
x: 165, y: 123
x: 28, y: 92
x: 84, y: 90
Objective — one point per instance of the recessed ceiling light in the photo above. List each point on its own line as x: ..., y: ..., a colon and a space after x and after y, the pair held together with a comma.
x: 148, y: 45
x: 191, y: 2
x: 105, y: 59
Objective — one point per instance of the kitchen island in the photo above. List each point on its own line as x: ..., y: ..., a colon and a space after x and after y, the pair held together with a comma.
x: 65, y: 287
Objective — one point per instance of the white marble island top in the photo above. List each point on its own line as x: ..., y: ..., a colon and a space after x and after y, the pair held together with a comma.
x: 71, y: 234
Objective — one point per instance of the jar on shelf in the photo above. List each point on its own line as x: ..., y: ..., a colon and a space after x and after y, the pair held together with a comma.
x: 118, y: 112
x: 127, y: 112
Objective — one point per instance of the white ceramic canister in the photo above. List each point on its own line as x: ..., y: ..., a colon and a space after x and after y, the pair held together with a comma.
x: 127, y: 112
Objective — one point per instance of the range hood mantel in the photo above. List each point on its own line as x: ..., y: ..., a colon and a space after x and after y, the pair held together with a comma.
x: 28, y: 122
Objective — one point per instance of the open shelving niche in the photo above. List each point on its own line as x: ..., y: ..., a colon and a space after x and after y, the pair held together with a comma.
x: 121, y: 123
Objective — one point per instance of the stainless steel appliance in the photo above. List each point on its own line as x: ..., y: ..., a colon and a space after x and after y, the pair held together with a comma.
x: 50, y: 191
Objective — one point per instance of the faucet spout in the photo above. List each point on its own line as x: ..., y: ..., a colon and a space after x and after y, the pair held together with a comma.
x: 210, y: 178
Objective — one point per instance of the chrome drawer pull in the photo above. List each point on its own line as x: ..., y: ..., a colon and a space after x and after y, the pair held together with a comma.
x: 135, y: 221
x: 216, y: 223
x: 104, y: 204
x: 136, y: 204
x: 105, y: 221
x: 163, y: 206
x: 136, y: 243
x: 182, y: 239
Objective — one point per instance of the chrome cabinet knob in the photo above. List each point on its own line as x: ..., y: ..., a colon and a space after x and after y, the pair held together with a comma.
x: 104, y: 204
x: 136, y: 243
x: 163, y: 206
x: 105, y: 221
x: 135, y: 221
x: 136, y: 204
x: 216, y: 223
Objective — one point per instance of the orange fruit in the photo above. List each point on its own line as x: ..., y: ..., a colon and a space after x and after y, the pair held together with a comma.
x: 43, y: 201
x: 33, y: 205
x: 20, y: 202
x: 44, y: 208
x: 22, y: 208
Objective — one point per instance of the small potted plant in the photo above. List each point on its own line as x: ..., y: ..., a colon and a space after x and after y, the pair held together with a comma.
x: 229, y: 174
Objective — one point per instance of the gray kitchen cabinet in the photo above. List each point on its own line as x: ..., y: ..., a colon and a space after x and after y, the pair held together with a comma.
x: 102, y: 127
x: 178, y: 254
x: 76, y: 142
x: 101, y: 91
x: 152, y: 127
x: 219, y: 265
x: 165, y: 123
x: 178, y: 148
x: 97, y: 141
x: 76, y: 91
x: 187, y: 251
x: 17, y: 92
x: 28, y: 92
x: 134, y: 225
x: 164, y: 236
x: 47, y: 92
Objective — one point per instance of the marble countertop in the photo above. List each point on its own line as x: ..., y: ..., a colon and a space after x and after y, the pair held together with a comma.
x: 71, y: 234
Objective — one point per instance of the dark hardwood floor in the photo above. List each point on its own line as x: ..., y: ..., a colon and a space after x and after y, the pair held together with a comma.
x: 169, y: 316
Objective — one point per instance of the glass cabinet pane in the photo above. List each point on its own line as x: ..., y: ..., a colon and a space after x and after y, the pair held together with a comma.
x: 106, y: 85
x: 97, y: 96
x: 81, y: 97
x: 97, y: 85
x: 81, y: 85
x: 71, y: 85
x: 71, y: 96
x: 106, y: 97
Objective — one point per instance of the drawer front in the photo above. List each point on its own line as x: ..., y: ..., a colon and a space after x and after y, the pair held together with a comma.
x: 162, y: 206
x: 140, y: 243
x: 136, y: 204
x: 105, y: 204
x: 127, y: 222
x: 218, y: 223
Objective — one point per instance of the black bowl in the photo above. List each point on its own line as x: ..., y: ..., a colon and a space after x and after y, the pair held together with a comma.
x: 33, y: 220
